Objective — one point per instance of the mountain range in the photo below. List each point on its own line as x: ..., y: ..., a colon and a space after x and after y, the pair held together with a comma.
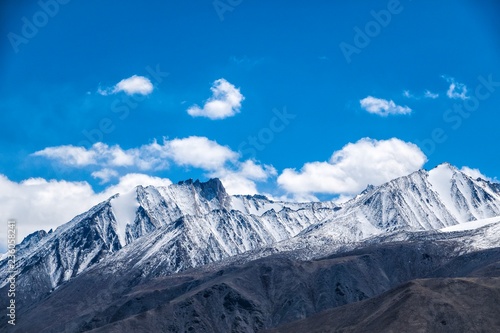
x: 191, y: 258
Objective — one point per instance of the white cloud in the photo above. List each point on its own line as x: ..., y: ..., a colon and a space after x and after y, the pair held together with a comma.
x: 382, y: 107
x: 133, y: 85
x: 475, y: 173
x: 251, y: 170
x: 352, y: 168
x: 71, y: 155
x: 242, y: 180
x: 131, y: 180
x: 216, y: 160
x: 147, y: 157
x: 429, y: 94
x: 194, y: 151
x: 200, y: 152
x: 456, y: 90
x: 37, y: 203
x: 225, y: 102
x: 105, y: 175
x: 407, y: 94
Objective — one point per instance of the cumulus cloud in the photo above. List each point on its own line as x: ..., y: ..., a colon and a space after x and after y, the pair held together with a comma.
x: 200, y: 152
x: 194, y: 151
x: 383, y: 107
x: 225, y: 102
x: 242, y: 179
x: 216, y: 160
x: 456, y: 90
x: 352, y: 168
x: 135, y: 84
x: 147, y: 157
x: 37, y: 203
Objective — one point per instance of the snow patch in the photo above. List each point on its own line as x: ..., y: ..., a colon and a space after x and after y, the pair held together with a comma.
x: 124, y: 208
x: 440, y: 179
x: 471, y: 225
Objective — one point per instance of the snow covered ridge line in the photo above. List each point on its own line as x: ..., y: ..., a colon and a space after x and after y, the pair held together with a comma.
x: 163, y: 230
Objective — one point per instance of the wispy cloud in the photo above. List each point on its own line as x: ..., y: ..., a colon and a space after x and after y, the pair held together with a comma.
x: 135, y: 84
x: 225, y: 102
x: 429, y: 94
x: 456, y: 90
x: 246, y: 61
x: 383, y: 107
x: 407, y: 94
x: 105, y: 175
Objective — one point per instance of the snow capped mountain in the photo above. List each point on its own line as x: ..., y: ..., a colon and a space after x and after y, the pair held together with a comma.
x: 173, y: 228
x: 423, y: 200
x: 163, y: 230
x: 465, y: 198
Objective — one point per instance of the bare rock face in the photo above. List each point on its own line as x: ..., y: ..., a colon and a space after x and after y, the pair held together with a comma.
x: 430, y: 305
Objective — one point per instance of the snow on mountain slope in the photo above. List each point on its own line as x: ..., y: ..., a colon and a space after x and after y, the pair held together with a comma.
x: 58, y: 256
x: 472, y: 225
x: 162, y: 230
x: 176, y: 227
x: 440, y: 179
x: 124, y: 208
x: 465, y: 198
x: 436, y: 199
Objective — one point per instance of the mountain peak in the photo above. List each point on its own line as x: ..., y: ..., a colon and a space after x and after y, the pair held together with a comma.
x: 210, y: 189
x: 186, y: 182
x: 445, y: 166
x: 34, y: 237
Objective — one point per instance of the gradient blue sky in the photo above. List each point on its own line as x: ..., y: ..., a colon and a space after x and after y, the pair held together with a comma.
x: 280, y: 55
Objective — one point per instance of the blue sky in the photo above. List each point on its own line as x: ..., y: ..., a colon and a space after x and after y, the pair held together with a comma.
x: 336, y: 95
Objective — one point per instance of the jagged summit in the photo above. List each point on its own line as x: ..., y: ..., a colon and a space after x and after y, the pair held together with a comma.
x: 443, y: 165
x: 197, y: 182
x: 212, y: 188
